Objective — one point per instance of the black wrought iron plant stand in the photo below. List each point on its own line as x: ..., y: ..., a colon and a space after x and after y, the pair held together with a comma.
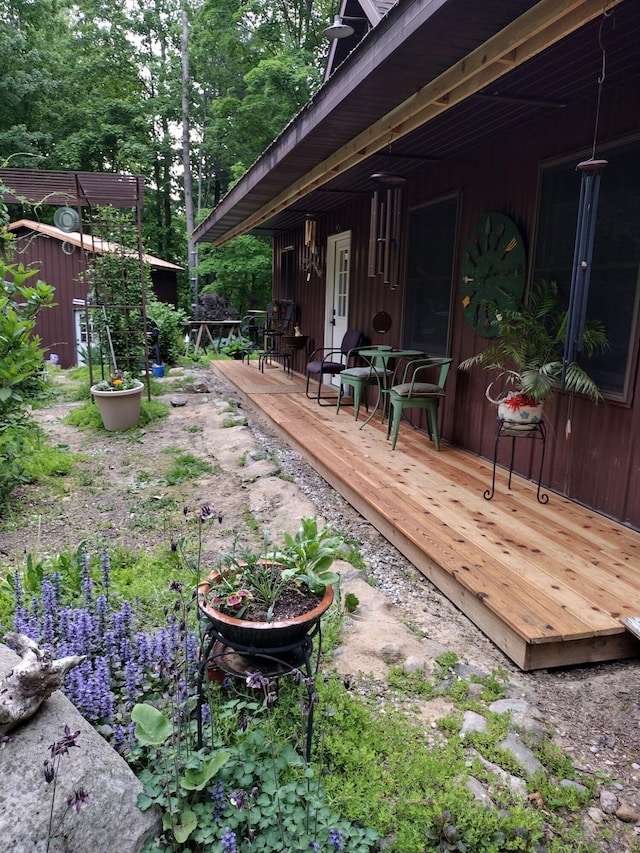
x: 273, y: 663
x: 534, y: 432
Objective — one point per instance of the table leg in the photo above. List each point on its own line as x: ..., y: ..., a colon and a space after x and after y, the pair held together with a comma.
x: 198, y: 339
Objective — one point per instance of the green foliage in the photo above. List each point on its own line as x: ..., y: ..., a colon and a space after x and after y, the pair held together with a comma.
x: 241, y: 272
x: 118, y: 292
x: 527, y: 352
x: 21, y: 376
x: 171, y: 323
x: 186, y: 466
x: 310, y: 553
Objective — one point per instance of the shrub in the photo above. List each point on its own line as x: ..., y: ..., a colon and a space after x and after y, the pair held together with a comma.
x: 21, y: 374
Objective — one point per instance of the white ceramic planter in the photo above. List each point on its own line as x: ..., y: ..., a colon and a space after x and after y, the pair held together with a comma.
x: 518, y: 415
x: 119, y: 409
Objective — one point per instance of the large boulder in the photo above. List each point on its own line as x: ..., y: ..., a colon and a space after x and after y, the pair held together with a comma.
x: 108, y: 821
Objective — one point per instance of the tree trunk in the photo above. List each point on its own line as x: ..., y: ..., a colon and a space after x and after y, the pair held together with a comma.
x: 186, y: 154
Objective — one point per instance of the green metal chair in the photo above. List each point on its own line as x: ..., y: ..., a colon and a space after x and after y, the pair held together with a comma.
x: 361, y: 378
x: 415, y: 393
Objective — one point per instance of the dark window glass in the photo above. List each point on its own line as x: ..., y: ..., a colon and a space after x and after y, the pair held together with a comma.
x: 429, y: 267
x: 616, y: 256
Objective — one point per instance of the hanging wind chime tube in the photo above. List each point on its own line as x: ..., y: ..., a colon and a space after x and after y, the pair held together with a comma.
x: 585, y: 236
x: 373, y: 233
x: 384, y: 227
x: 582, y: 257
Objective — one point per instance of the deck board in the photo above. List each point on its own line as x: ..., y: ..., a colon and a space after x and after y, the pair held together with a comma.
x: 549, y: 584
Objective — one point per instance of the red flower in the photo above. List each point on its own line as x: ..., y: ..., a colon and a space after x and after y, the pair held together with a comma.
x: 517, y: 401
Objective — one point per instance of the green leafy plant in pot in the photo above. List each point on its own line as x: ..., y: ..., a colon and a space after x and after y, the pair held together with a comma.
x: 527, y: 354
x: 273, y: 598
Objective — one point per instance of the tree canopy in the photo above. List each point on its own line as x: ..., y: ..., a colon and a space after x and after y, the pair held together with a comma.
x: 111, y: 85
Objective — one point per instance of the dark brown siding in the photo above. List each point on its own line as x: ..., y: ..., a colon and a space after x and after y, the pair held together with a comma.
x: 55, y: 325
x: 598, y: 464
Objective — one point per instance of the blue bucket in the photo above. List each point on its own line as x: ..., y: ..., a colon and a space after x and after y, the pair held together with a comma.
x: 158, y: 370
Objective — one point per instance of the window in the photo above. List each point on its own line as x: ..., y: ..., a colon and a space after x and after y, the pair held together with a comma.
x: 430, y: 249
x: 288, y: 277
x: 615, y: 273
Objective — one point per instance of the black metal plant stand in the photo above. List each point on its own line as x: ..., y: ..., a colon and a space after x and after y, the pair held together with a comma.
x: 535, y: 432
x: 240, y: 660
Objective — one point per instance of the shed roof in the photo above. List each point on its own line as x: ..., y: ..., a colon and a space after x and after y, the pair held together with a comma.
x: 431, y: 80
x: 85, y: 241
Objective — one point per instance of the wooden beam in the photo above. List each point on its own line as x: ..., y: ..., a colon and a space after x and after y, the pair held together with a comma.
x: 537, y: 29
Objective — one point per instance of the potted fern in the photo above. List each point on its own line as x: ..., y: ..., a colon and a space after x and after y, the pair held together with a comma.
x: 527, y: 356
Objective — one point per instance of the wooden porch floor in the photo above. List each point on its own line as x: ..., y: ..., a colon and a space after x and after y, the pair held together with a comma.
x: 548, y: 584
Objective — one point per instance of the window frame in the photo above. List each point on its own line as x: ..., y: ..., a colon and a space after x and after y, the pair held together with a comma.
x: 625, y: 396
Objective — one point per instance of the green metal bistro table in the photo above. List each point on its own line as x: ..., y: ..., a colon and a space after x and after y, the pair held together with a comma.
x: 386, y: 377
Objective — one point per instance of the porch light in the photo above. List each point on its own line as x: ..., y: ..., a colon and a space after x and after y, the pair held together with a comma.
x: 339, y: 29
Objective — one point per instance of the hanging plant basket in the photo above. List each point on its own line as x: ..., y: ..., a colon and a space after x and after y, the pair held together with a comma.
x: 119, y: 409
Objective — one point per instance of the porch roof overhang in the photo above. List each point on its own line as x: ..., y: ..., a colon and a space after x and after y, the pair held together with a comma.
x: 430, y: 81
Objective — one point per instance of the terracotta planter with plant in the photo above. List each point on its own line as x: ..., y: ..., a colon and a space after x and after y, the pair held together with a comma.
x: 272, y: 600
x: 119, y: 400
x: 527, y: 357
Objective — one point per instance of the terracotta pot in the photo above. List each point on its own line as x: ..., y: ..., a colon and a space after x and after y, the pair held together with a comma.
x: 516, y: 411
x: 261, y: 635
x: 119, y: 409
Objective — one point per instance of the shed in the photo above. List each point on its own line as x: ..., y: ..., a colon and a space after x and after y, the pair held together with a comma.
x: 61, y: 259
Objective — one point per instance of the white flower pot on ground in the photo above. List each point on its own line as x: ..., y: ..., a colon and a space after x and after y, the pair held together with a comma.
x: 119, y: 409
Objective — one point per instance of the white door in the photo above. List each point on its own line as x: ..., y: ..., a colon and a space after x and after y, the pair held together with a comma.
x: 337, y: 298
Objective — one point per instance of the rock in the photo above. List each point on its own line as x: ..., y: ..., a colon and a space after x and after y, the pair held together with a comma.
x: 178, y: 402
x: 478, y: 792
x: 391, y: 654
x: 197, y: 388
x: 110, y: 820
x: 608, y: 802
x: 472, y: 722
x: 626, y: 813
x: 413, y: 664
x: 523, y: 715
x: 516, y: 786
x: 596, y: 815
x: 571, y: 783
x: 522, y: 754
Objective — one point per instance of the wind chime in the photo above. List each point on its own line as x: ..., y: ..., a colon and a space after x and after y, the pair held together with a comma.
x: 310, y: 257
x: 585, y: 235
x: 384, y: 228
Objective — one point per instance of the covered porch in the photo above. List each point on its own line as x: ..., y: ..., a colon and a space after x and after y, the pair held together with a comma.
x: 547, y: 583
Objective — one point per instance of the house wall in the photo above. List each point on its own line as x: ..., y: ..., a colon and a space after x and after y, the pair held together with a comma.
x: 599, y: 463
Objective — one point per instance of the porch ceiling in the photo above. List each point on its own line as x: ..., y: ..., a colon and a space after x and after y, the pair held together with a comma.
x: 342, y: 130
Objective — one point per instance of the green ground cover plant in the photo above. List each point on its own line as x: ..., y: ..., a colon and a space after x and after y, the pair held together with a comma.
x: 376, y: 780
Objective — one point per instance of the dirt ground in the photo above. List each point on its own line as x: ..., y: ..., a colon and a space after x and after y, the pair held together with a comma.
x: 120, y: 494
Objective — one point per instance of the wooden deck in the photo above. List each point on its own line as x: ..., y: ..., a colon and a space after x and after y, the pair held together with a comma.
x: 547, y: 583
